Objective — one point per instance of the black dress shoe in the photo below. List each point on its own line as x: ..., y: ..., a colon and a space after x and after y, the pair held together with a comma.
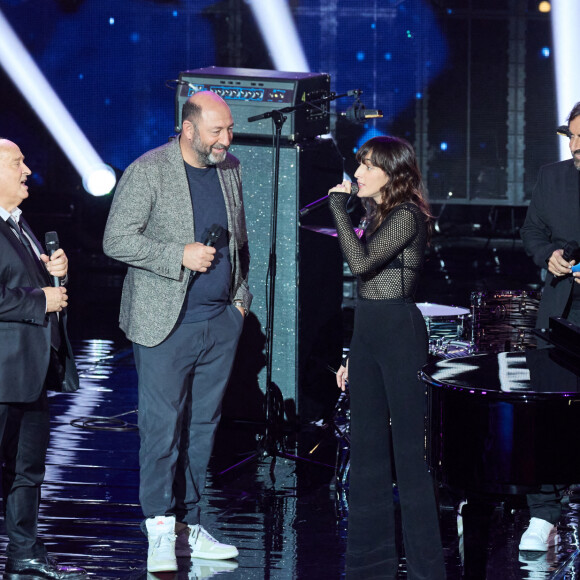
x: 34, y: 568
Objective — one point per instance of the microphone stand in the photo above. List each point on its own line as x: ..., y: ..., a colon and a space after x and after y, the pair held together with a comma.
x: 271, y: 442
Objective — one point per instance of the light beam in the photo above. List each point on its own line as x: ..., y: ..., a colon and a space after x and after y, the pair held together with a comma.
x: 30, y: 81
x: 565, y: 18
x: 280, y: 35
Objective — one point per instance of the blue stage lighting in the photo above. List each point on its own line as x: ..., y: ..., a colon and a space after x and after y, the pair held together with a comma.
x: 368, y: 134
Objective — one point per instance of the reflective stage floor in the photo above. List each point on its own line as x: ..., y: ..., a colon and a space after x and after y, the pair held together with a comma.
x: 287, y: 519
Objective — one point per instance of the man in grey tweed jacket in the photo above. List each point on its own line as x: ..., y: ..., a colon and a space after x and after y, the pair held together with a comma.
x: 183, y: 307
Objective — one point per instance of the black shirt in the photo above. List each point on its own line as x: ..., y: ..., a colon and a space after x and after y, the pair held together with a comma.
x: 209, y: 293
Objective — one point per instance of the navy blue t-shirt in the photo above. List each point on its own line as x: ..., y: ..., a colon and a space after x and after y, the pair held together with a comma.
x: 210, y: 292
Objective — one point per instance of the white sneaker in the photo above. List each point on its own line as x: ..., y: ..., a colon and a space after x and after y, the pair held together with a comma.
x: 161, y: 536
x: 197, y: 542
x: 539, y: 536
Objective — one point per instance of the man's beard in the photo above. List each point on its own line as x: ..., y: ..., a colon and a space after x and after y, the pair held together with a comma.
x: 205, y: 155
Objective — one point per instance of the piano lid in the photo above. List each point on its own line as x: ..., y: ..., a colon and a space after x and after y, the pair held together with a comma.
x: 540, y: 372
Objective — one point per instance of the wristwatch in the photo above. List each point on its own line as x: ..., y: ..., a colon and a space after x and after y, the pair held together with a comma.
x: 240, y: 304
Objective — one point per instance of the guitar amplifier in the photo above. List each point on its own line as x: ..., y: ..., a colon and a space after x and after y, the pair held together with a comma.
x: 251, y: 92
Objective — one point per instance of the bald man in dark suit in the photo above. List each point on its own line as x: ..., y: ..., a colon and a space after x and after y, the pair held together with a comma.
x: 35, y: 355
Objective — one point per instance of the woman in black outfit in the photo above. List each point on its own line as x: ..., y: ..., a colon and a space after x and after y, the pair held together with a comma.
x: 388, y: 347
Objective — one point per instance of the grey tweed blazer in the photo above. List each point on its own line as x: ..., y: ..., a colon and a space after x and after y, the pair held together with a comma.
x: 150, y: 222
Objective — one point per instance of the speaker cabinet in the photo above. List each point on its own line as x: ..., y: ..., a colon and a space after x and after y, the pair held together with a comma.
x: 307, y: 329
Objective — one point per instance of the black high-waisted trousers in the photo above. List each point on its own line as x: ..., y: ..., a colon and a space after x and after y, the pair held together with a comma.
x: 388, y: 347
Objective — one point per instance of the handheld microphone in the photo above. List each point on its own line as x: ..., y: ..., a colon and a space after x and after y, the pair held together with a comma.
x: 323, y: 200
x: 213, y: 235
x: 569, y: 252
x: 52, y: 245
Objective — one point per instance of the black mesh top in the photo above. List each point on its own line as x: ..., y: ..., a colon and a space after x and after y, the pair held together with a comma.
x: 388, y: 262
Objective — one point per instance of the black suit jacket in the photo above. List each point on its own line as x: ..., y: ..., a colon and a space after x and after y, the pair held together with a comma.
x: 552, y: 220
x: 25, y: 351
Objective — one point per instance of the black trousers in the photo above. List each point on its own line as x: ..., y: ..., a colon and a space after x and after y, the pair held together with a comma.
x: 546, y: 503
x: 388, y: 347
x: 24, y: 435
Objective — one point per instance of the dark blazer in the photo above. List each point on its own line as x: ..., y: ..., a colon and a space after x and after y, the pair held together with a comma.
x: 25, y: 349
x: 552, y: 220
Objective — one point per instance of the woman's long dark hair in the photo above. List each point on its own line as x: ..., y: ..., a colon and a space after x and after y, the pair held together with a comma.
x: 397, y: 159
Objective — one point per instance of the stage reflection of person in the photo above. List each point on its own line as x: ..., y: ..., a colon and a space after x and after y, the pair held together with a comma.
x: 388, y: 347
x: 552, y: 221
x: 35, y: 356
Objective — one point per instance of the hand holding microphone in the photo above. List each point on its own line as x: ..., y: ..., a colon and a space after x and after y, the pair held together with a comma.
x: 55, y: 258
x: 345, y: 187
x: 563, y: 261
x: 198, y: 257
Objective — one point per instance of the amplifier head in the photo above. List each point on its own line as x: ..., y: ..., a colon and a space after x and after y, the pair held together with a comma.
x: 251, y: 92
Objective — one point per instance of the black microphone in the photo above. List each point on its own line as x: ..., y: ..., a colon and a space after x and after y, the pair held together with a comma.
x: 52, y: 245
x: 564, y: 131
x: 359, y: 114
x: 570, y: 250
x: 569, y: 253
x: 322, y: 201
x: 213, y: 235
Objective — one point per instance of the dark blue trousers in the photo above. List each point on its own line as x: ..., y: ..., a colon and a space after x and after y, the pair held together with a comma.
x: 182, y: 382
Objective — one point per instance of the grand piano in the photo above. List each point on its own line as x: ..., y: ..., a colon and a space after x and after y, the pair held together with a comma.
x: 499, y: 424
x: 502, y: 423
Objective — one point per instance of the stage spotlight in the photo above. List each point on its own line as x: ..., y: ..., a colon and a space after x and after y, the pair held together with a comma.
x: 26, y: 75
x: 100, y: 180
x: 544, y: 7
x: 280, y: 35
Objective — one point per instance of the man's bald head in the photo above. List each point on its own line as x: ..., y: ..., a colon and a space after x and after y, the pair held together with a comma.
x: 207, y: 129
x: 13, y: 175
x: 199, y: 102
